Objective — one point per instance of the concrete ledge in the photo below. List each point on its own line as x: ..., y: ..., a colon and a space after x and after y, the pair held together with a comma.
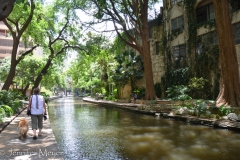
x: 164, y: 111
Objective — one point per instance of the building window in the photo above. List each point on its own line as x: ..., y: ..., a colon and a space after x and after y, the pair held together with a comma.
x: 177, y: 23
x: 236, y: 32
x: 175, y: 2
x: 206, y: 41
x: 5, y: 51
x: 205, y: 13
x: 179, y: 52
x: 157, y: 47
x: 5, y: 42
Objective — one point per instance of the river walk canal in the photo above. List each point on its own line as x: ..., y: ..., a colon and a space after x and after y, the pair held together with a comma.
x: 86, y: 131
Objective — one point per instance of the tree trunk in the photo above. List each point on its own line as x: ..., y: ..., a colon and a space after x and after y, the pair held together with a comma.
x: 25, y: 89
x: 150, y: 91
x: 145, y: 53
x: 42, y: 73
x: 11, y: 75
x: 16, y: 35
x: 6, y: 7
x: 230, y: 87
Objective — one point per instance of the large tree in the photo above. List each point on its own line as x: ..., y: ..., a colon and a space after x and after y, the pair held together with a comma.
x: 230, y: 86
x: 62, y: 35
x: 131, y: 18
x: 21, y: 28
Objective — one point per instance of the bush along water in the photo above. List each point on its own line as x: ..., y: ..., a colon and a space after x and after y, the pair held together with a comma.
x: 197, y: 107
x: 10, y: 103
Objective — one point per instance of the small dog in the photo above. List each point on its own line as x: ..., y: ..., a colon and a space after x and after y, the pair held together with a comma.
x: 23, y: 128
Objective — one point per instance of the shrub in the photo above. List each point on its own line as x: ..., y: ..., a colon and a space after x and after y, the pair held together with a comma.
x: 7, y: 110
x: 225, y: 111
x: 178, y: 93
x: 11, y: 99
x: 2, y: 115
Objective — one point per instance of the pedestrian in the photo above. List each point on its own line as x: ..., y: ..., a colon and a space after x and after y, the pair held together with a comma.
x: 134, y: 97
x: 38, y: 111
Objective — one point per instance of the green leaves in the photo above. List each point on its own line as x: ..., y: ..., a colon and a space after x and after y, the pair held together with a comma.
x: 20, y: 1
x: 10, y: 101
x: 178, y: 92
x: 130, y: 68
x: 7, y: 110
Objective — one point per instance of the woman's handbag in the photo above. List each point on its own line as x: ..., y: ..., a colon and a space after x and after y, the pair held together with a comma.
x: 29, y: 111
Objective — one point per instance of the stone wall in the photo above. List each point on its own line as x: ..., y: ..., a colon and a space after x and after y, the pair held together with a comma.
x: 158, y: 65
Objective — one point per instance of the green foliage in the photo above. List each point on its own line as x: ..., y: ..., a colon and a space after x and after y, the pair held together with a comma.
x: 200, y: 108
x: 93, y: 68
x: 208, y: 62
x: 119, y: 45
x: 225, y: 111
x: 32, y: 30
x: 54, y: 77
x: 208, y: 24
x: 111, y: 98
x: 198, y: 87
x: 189, y: 6
x: 199, y: 64
x: 130, y: 68
x: 197, y: 83
x: 140, y: 92
x: 11, y: 99
x: 178, y: 93
x: 176, y: 77
x: 28, y: 69
x: 2, y: 115
x: 175, y: 33
x: 5, y: 68
x: 46, y: 96
x: 7, y: 110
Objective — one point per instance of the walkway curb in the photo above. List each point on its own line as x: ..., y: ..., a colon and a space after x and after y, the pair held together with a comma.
x: 166, y: 113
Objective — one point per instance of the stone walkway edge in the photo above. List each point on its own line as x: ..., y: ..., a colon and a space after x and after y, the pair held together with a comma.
x: 165, y: 113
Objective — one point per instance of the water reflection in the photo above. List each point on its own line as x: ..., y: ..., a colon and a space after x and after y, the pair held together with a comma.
x: 87, y: 131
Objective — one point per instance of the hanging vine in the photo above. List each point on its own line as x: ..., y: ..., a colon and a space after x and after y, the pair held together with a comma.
x: 189, y: 6
x: 204, y: 64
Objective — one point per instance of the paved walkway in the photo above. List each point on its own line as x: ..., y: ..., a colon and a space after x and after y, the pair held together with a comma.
x: 44, y: 148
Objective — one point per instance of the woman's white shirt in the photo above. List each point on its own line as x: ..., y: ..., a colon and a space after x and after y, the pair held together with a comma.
x: 40, y: 109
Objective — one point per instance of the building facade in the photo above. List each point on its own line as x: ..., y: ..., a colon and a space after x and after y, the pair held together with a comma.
x: 190, y: 38
x: 6, y: 43
x: 184, y: 44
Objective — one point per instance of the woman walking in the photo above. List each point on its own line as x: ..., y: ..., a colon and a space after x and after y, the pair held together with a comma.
x: 38, y: 109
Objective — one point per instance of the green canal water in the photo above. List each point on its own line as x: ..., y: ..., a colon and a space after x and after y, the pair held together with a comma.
x: 85, y: 131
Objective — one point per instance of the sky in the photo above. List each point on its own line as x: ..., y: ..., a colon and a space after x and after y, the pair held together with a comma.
x: 108, y: 26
